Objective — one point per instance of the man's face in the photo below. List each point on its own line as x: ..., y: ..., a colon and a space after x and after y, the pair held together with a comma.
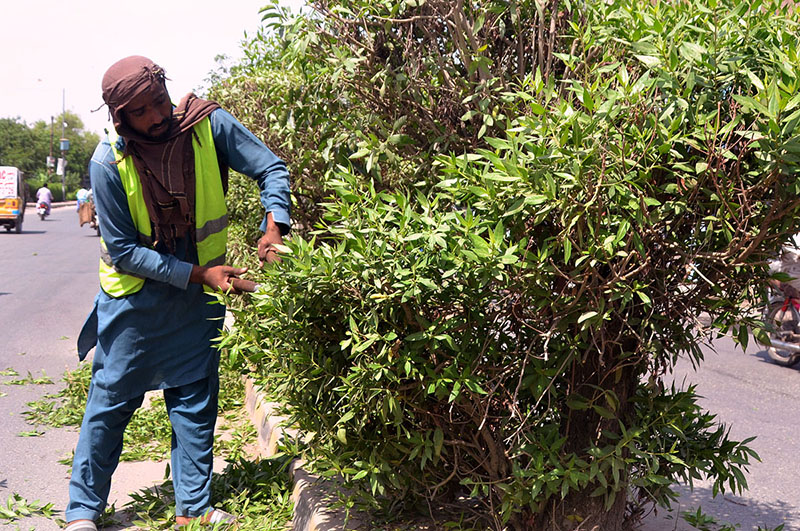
x: 150, y: 113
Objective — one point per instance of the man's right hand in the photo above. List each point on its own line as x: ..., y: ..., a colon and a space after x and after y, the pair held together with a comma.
x: 222, y: 277
x: 267, y: 250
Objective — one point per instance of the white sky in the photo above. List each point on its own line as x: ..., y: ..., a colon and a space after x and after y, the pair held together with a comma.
x: 50, y: 48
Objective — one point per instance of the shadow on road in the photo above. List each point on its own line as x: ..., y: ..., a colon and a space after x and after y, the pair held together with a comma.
x: 726, y: 509
x: 764, y: 357
x: 24, y: 231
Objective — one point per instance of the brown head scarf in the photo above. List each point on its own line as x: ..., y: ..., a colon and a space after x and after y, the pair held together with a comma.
x: 165, y: 165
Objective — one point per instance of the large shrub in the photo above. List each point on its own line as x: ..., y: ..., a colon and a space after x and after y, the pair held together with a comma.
x: 383, y: 87
x: 498, y: 327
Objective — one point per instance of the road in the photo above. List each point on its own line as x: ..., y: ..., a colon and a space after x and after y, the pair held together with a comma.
x: 48, y: 280
x: 753, y: 397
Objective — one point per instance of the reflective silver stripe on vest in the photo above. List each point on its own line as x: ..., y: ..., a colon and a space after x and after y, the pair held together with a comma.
x: 105, y: 256
x: 212, y: 227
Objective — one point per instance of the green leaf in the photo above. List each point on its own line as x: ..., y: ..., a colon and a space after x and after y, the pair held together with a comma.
x: 455, y: 391
x: 536, y: 199
x: 346, y: 417
x: 577, y: 402
x: 588, y: 102
x: 754, y: 79
x: 692, y: 51
x: 603, y: 412
x: 536, y: 108
x: 599, y: 491
x: 743, y: 336
x: 361, y: 153
x: 438, y: 441
x: 675, y: 459
x: 480, y: 246
x: 648, y: 60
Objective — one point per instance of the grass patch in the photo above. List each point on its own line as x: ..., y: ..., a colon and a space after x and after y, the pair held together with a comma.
x: 148, y: 435
x: 257, y: 492
x: 17, y: 507
x: 29, y: 380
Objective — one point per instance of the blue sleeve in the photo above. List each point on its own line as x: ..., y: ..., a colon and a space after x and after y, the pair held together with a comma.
x: 118, y: 231
x: 242, y: 151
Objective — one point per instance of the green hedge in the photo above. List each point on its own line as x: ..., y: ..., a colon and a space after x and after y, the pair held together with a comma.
x: 497, y: 327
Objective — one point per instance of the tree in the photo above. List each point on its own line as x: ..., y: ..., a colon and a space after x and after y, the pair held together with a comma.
x: 523, y: 207
x: 16, y: 139
x: 28, y: 146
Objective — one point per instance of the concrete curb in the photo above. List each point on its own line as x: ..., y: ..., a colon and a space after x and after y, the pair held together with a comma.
x: 312, y: 495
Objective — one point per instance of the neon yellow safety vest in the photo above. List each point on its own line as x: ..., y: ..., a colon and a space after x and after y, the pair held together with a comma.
x: 211, y: 213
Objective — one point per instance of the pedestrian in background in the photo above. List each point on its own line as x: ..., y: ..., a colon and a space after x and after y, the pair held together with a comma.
x: 82, y: 196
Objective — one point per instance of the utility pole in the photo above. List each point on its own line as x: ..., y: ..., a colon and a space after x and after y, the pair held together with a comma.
x: 64, y: 144
x: 51, y: 162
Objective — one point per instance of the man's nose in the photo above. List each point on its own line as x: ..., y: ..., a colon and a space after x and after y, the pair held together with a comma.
x: 155, y: 116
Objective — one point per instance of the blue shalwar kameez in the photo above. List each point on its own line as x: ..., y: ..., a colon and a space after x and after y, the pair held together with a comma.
x: 160, y: 337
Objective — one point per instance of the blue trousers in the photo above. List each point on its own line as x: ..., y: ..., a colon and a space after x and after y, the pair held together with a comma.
x: 192, y: 411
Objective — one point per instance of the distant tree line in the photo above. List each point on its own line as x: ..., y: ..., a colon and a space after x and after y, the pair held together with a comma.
x: 27, y: 147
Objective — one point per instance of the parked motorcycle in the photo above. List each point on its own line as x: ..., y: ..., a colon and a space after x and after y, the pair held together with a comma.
x: 42, y: 210
x: 782, y: 318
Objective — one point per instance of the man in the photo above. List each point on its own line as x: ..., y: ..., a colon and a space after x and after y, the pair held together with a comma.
x: 789, y: 263
x: 159, y: 193
x: 44, y: 195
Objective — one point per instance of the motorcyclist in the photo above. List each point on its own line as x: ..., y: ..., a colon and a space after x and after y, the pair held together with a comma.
x: 44, y: 195
x: 788, y: 263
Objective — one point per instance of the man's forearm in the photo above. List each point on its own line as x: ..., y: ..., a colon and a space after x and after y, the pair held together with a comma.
x: 272, y: 226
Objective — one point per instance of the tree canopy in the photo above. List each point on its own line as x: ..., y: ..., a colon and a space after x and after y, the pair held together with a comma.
x: 28, y: 146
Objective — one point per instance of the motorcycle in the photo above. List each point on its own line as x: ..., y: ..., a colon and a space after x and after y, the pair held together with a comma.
x: 42, y: 209
x: 782, y: 318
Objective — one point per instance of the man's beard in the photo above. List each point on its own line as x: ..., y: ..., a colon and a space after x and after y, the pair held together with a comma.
x: 163, y: 136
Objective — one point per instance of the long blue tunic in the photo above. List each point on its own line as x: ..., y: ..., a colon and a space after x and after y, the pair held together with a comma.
x: 161, y: 336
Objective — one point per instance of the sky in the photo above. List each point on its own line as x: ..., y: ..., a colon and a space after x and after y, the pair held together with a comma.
x: 53, y: 53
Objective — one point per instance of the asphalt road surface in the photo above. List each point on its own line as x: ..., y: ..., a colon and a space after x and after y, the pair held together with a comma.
x: 48, y: 280
x: 753, y: 397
